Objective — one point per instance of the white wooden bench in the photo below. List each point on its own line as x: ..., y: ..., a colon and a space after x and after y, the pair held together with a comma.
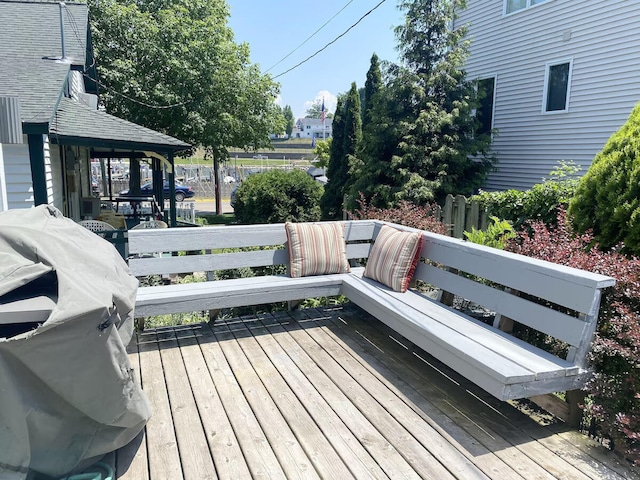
x: 558, y: 301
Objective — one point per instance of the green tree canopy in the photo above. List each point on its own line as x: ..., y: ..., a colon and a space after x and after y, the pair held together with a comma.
x: 181, y: 54
x: 322, y: 151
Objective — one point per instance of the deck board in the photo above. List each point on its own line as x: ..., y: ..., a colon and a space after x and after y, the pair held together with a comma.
x: 326, y: 393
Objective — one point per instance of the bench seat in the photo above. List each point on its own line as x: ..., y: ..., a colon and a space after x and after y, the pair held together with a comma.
x: 503, y: 365
x: 237, y: 292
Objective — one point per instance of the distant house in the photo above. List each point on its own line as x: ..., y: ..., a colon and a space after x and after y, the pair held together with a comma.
x: 50, y: 127
x: 312, y: 128
x: 560, y: 76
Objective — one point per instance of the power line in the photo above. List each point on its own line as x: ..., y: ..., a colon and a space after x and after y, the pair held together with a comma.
x: 308, y: 38
x: 331, y: 42
x: 134, y: 100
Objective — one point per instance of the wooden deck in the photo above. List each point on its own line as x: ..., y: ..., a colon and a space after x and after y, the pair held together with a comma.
x: 326, y: 393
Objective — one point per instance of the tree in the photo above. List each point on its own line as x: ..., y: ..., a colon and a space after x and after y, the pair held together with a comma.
x: 420, y: 131
x: 315, y: 111
x: 174, y: 66
x: 336, y: 167
x: 372, y: 87
x: 278, y: 196
x: 322, y: 151
x: 439, y: 141
x: 348, y: 133
x: 289, y: 120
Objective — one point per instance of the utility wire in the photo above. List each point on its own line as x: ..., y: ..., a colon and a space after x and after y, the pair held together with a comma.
x: 134, y: 100
x: 330, y: 43
x: 308, y: 38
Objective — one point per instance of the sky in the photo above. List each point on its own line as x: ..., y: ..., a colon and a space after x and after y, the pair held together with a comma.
x: 275, y: 28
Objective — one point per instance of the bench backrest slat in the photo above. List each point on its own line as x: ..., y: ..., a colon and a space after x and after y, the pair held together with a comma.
x: 557, y: 324
x: 558, y: 284
x: 222, y: 261
x: 217, y: 237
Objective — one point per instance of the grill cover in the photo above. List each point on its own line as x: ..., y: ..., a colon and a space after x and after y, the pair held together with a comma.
x: 67, y: 390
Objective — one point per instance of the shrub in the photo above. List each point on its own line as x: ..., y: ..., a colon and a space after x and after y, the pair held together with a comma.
x: 541, y: 202
x: 608, y: 196
x: 615, y: 357
x: 278, y: 196
x: 405, y: 213
x: 497, y: 234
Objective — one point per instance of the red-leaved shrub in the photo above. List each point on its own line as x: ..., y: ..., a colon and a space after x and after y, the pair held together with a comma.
x: 405, y: 213
x: 615, y: 356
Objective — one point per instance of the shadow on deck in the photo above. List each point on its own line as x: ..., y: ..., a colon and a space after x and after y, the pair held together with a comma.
x: 331, y: 393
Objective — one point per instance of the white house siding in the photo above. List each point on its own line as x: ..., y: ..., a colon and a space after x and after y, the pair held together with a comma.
x: 53, y: 175
x: 602, y: 38
x: 17, y: 176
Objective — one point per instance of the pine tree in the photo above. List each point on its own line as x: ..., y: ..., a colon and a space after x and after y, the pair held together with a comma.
x: 372, y: 86
x: 347, y: 135
x: 439, y: 140
x: 419, y: 142
x: 328, y: 204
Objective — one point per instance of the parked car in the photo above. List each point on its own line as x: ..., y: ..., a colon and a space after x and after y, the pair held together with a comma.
x: 182, y: 191
x: 228, y: 179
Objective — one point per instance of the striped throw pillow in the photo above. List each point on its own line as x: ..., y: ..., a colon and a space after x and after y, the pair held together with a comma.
x: 394, y: 257
x: 316, y: 248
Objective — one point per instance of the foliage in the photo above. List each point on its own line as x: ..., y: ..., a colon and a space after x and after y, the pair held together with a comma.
x: 497, y: 234
x: 424, y: 145
x: 278, y: 196
x: 289, y: 120
x: 615, y: 355
x: 607, y: 200
x: 423, y: 217
x: 372, y: 87
x: 322, y: 151
x: 182, y: 54
x: 347, y: 135
x: 315, y: 110
x: 541, y: 202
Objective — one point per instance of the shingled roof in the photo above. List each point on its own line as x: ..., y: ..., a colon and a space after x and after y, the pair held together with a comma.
x: 31, y: 49
x: 77, y: 124
x: 32, y: 69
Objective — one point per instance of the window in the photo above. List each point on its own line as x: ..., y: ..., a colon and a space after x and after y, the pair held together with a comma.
x: 515, y: 5
x: 484, y: 112
x: 557, y: 85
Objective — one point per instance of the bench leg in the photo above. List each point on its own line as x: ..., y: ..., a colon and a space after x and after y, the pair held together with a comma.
x: 293, y: 304
x: 213, y: 314
x: 139, y: 324
x: 575, y: 398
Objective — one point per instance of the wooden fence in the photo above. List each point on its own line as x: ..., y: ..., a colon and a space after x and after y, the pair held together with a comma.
x: 460, y: 214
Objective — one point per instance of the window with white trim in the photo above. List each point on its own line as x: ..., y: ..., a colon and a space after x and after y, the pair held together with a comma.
x: 557, y: 86
x: 511, y: 6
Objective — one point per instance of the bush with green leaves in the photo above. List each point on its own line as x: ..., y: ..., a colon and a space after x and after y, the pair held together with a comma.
x: 541, y: 202
x: 497, y: 234
x: 607, y: 200
x: 278, y: 196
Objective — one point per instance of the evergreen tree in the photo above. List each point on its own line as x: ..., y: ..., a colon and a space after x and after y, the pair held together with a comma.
x: 419, y: 130
x: 288, y: 119
x: 331, y: 200
x: 347, y: 135
x: 439, y: 140
x: 372, y: 86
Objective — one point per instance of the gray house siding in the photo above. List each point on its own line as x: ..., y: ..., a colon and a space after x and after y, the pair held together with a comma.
x: 602, y: 42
